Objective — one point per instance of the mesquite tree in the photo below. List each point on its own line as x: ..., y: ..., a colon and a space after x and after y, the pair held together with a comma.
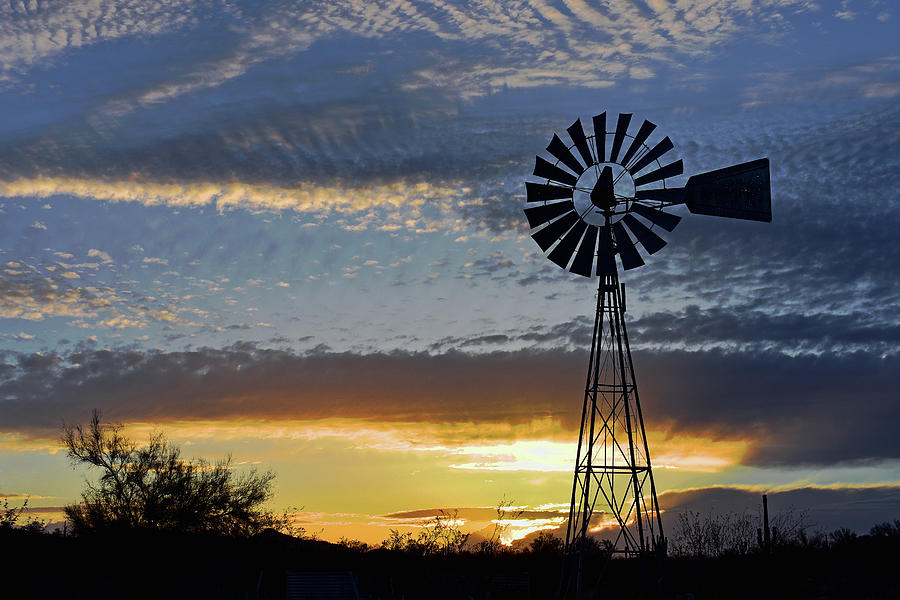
x: 153, y: 488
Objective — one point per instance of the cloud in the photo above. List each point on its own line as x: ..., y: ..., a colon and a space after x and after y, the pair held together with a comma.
x: 34, y: 294
x: 370, y: 112
x: 825, y: 508
x: 792, y: 332
x: 31, y: 32
x: 783, y: 406
x: 872, y: 78
x: 787, y: 405
x: 377, y: 156
x: 230, y: 382
x: 39, y: 291
x: 398, y: 201
x: 529, y: 43
x: 103, y: 256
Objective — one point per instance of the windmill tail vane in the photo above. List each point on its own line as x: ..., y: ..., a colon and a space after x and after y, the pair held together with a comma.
x: 596, y: 197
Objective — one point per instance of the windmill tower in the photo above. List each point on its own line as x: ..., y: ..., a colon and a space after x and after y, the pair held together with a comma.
x: 581, y: 212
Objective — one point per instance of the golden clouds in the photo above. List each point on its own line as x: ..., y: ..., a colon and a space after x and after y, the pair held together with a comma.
x: 695, y: 453
x: 539, y: 445
x: 361, y: 201
x: 38, y: 292
x: 536, y: 446
x: 31, y: 295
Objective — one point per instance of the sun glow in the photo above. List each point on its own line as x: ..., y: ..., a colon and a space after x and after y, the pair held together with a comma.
x: 540, y: 445
x: 536, y: 446
x: 520, y: 528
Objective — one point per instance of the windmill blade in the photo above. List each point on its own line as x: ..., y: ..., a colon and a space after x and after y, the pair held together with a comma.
x: 558, y: 149
x: 670, y: 170
x: 631, y: 259
x: 651, y: 242
x: 544, y: 169
x: 538, y: 215
x: 738, y: 192
x: 541, y: 192
x: 606, y: 253
x: 643, y: 133
x: 657, y: 151
x: 567, y: 246
x: 657, y: 217
x: 599, y: 122
x: 673, y: 195
x: 576, y: 132
x: 621, y: 130
x: 552, y: 232
x: 584, y: 258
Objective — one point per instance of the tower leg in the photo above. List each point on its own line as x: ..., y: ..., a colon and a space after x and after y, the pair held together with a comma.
x: 613, y: 508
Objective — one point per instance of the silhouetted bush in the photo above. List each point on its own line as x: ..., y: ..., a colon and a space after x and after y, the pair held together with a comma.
x: 9, y: 516
x: 886, y: 530
x: 494, y: 544
x: 698, y: 535
x: 546, y: 543
x: 842, y: 537
x: 442, y: 536
x: 713, y: 534
x: 153, y: 488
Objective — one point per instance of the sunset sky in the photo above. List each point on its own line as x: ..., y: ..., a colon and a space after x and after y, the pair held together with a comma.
x: 292, y: 232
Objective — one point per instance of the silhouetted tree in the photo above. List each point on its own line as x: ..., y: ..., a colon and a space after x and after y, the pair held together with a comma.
x: 886, y: 529
x: 501, y: 525
x: 442, y: 536
x: 546, y: 543
x: 9, y: 516
x: 791, y: 526
x: 153, y: 488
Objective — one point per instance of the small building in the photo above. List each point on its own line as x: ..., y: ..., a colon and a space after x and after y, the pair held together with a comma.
x: 321, y: 585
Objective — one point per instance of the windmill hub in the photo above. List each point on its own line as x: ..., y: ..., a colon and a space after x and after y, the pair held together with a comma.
x: 603, y: 191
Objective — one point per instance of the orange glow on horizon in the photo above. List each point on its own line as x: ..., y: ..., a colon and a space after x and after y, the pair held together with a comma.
x: 540, y: 445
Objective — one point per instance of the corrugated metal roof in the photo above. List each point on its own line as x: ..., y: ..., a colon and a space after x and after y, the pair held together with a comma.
x: 321, y: 585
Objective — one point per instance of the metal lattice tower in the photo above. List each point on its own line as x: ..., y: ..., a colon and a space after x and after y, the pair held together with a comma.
x: 601, y: 196
x: 613, y: 483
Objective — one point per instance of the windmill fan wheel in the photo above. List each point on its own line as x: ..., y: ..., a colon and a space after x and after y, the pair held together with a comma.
x: 596, y: 190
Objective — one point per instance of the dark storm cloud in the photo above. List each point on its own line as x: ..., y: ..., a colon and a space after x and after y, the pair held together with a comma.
x: 822, y: 508
x: 814, y: 509
x: 245, y: 381
x: 359, y: 145
x: 795, y: 332
x: 797, y: 409
x: 575, y: 333
x: 800, y: 409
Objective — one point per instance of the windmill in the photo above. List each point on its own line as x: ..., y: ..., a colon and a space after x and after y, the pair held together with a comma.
x: 596, y: 190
